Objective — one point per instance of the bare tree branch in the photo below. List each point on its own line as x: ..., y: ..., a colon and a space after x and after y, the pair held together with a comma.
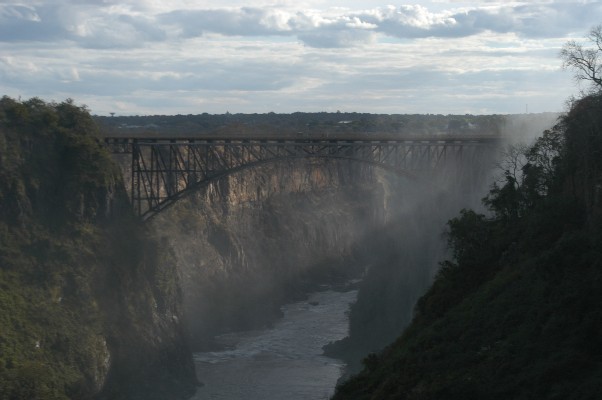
x: 595, y: 35
x: 587, y: 62
x: 512, y: 161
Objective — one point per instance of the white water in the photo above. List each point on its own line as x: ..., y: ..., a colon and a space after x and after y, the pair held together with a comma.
x: 285, y: 362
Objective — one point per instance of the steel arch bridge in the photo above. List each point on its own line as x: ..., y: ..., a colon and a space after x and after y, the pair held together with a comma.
x: 165, y: 169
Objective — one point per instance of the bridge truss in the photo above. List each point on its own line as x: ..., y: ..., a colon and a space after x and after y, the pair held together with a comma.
x: 166, y: 169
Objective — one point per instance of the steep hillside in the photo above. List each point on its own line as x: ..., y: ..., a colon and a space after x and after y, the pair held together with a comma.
x: 516, y: 314
x: 89, y: 304
x: 403, y: 256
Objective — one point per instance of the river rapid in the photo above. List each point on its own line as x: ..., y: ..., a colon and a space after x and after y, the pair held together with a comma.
x: 284, y: 362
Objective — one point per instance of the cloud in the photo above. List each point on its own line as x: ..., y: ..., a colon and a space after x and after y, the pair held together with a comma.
x: 347, y: 28
x: 87, y: 25
x: 535, y: 20
x: 409, y: 21
x: 24, y: 23
x: 110, y: 24
x: 342, y: 30
x: 532, y: 20
x: 184, y: 56
x: 245, y: 22
x: 115, y: 31
x: 336, y: 38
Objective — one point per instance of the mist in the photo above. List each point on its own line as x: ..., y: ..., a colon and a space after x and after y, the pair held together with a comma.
x: 252, y: 242
x: 255, y: 242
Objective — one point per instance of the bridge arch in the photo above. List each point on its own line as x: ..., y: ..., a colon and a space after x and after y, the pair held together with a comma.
x: 168, y: 202
x: 164, y: 170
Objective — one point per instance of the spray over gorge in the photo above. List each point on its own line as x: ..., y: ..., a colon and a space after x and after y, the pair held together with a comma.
x: 343, y: 240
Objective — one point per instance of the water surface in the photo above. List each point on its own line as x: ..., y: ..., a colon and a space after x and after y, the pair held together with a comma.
x: 283, y: 363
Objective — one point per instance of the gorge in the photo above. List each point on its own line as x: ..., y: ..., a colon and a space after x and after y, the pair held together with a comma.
x: 224, y: 259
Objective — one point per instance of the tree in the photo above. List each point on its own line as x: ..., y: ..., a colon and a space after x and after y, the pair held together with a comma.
x: 528, y: 174
x: 586, y: 61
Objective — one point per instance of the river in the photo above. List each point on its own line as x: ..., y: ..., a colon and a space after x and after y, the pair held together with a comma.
x: 284, y: 362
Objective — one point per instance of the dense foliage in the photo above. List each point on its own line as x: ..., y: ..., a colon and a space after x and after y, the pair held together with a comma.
x: 516, y: 313
x: 83, y: 291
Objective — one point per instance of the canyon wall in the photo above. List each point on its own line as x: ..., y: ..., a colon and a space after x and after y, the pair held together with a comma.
x: 250, y: 242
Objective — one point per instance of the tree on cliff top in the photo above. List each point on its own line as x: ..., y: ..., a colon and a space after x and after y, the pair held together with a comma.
x: 587, y: 62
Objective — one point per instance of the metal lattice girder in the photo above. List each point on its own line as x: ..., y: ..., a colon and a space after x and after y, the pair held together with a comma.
x: 165, y: 169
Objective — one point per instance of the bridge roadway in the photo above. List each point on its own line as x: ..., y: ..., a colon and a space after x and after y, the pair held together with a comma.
x: 165, y: 169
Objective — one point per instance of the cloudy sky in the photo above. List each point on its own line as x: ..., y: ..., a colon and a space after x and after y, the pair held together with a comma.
x: 195, y: 56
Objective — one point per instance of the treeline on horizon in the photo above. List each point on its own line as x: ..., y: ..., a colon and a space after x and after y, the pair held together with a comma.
x: 302, y: 123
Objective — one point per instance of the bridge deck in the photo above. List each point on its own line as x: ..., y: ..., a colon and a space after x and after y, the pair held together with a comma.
x: 359, y: 138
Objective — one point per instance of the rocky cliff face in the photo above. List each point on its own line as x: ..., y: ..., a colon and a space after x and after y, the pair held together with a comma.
x: 264, y: 236
x: 90, y: 305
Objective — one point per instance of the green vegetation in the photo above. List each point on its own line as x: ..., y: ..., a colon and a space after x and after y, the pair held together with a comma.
x: 87, y: 303
x: 516, y: 314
